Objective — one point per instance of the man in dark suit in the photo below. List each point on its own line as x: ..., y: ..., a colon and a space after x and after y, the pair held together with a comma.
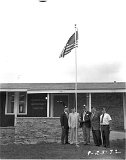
x: 64, y: 124
x: 85, y: 123
x: 95, y: 125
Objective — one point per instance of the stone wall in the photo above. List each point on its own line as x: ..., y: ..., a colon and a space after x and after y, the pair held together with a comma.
x: 35, y: 130
x: 7, y: 135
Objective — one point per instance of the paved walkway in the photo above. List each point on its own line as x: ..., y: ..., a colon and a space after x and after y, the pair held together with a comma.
x: 114, y: 135
x: 117, y: 135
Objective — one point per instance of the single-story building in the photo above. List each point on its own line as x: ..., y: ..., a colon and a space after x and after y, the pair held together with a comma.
x: 32, y: 110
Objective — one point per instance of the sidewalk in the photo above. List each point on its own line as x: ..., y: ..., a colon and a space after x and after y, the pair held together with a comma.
x: 114, y: 135
x: 117, y: 135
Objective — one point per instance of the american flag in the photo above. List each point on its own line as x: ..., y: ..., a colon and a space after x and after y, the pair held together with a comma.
x: 70, y: 45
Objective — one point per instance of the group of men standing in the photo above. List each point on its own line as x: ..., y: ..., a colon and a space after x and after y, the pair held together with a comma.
x: 94, y: 120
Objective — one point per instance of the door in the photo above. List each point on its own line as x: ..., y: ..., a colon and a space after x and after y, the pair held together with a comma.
x: 60, y: 101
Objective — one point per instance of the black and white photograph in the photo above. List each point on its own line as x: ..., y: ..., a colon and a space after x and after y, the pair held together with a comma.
x: 63, y: 79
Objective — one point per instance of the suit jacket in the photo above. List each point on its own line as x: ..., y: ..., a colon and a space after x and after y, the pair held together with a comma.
x: 87, y: 121
x: 73, y: 120
x: 95, y: 121
x: 64, y: 121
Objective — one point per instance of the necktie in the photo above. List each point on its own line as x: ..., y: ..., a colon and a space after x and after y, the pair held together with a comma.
x: 67, y: 115
x: 102, y: 118
x: 84, y: 115
x: 92, y: 115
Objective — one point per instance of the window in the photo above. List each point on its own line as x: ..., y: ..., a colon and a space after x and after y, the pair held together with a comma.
x: 22, y: 103
x: 37, y: 105
x: 10, y: 103
x: 16, y: 102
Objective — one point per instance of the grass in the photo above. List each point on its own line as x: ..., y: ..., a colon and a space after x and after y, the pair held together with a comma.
x: 58, y: 151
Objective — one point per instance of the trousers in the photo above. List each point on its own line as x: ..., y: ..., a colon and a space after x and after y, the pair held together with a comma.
x: 72, y: 135
x: 105, y: 135
x: 64, y: 135
x: 97, y: 137
x: 86, y: 133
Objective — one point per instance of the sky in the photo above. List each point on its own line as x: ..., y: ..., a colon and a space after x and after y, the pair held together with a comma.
x: 33, y: 34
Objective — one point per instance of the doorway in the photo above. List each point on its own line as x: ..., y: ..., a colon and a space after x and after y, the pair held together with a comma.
x: 60, y: 101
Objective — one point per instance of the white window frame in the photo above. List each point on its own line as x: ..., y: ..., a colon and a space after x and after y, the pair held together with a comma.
x: 48, y: 97
x: 16, y: 104
x: 25, y: 106
x: 6, y: 113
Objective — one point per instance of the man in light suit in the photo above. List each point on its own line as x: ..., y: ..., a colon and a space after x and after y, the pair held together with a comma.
x: 95, y: 125
x: 85, y: 123
x: 73, y: 123
x: 64, y: 124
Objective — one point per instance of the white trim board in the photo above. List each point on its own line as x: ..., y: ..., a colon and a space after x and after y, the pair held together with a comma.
x: 13, y: 90
x: 79, y: 91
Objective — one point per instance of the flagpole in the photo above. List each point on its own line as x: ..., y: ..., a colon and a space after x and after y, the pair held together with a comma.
x: 71, y: 44
x: 76, y: 78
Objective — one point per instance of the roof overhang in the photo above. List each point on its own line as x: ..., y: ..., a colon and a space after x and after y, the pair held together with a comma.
x: 118, y: 87
x: 78, y: 91
x: 13, y: 90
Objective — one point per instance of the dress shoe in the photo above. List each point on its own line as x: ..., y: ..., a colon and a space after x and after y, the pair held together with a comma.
x: 85, y: 143
x: 88, y: 143
x: 98, y: 145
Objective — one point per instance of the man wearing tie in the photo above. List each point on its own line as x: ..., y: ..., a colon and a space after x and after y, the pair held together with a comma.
x: 85, y: 123
x: 64, y: 124
x: 105, y: 121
